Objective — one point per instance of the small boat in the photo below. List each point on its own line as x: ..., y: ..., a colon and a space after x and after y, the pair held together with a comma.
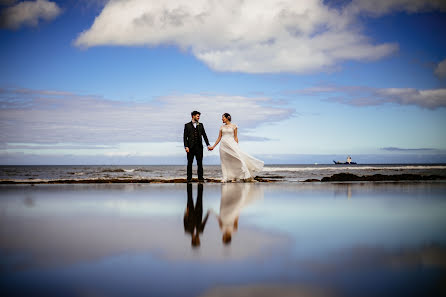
x: 349, y: 162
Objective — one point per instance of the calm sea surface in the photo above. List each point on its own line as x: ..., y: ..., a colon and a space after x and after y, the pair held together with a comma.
x: 287, y: 239
x: 290, y: 173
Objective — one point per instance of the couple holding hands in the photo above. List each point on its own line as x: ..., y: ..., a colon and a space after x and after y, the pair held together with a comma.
x: 236, y: 165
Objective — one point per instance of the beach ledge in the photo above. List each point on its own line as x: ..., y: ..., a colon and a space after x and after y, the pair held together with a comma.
x: 339, y: 177
x: 346, y: 177
x: 120, y: 181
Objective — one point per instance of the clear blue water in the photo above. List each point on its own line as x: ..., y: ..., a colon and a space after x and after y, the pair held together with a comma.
x: 293, y: 239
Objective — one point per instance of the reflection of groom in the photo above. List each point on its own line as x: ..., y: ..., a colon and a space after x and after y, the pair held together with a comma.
x: 193, y: 216
x: 193, y: 131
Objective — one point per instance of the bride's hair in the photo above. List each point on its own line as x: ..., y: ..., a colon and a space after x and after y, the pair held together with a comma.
x: 227, y: 115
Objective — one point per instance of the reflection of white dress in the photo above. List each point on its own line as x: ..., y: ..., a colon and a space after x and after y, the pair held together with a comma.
x: 235, y: 164
x: 234, y: 197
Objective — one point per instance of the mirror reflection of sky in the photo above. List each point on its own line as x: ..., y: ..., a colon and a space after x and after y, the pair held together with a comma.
x: 79, y: 240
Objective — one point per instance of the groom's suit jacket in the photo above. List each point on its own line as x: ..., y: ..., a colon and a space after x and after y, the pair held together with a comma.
x: 188, y: 135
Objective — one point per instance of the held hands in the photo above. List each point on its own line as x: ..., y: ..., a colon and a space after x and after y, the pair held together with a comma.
x: 210, y: 148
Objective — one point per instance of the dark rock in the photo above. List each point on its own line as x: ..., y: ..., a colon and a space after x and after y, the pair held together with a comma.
x: 311, y: 180
x: 269, y: 176
x: 263, y: 180
x: 380, y: 177
x: 341, y: 177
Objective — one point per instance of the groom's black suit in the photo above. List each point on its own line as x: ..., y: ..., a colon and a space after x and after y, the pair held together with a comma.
x: 192, y: 139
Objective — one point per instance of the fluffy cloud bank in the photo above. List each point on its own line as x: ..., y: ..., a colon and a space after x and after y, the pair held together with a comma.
x: 367, y: 96
x: 29, y: 13
x: 246, y: 36
x: 30, y: 116
x: 253, y: 36
x: 430, y: 99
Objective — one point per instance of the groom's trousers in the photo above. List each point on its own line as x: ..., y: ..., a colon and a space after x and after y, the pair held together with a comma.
x: 196, y: 152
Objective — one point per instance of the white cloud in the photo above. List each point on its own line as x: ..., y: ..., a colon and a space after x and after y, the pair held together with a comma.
x: 440, y: 70
x: 367, y: 96
x: 28, y: 116
x: 247, y: 36
x: 29, y: 13
x: 431, y: 99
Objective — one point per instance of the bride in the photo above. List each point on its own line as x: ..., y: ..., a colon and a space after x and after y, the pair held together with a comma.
x: 235, y: 164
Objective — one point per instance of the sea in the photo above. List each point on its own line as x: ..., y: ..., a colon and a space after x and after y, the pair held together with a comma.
x: 289, y: 238
x: 133, y: 173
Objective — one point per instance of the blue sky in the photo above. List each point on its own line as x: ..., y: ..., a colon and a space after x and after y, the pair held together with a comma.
x: 113, y: 82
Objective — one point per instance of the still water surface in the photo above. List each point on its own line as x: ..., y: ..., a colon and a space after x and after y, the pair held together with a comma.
x: 282, y: 239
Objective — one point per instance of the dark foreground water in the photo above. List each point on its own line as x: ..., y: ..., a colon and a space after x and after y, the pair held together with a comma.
x: 291, y: 239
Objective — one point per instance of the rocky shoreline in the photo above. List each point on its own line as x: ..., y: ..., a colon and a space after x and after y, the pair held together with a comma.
x: 120, y: 181
x: 347, y: 177
x: 340, y: 177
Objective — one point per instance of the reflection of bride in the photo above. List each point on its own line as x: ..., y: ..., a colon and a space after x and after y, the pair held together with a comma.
x: 235, y: 164
x: 234, y: 197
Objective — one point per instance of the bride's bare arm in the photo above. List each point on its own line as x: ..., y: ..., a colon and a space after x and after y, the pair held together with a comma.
x: 218, y: 140
x: 235, y: 134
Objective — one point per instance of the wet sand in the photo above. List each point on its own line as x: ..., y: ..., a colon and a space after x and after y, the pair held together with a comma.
x: 125, y: 181
x: 292, y: 239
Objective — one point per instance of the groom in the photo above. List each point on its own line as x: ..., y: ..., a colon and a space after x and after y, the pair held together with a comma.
x: 193, y: 131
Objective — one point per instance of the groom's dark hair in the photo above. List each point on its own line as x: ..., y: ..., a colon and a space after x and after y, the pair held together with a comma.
x: 195, y: 112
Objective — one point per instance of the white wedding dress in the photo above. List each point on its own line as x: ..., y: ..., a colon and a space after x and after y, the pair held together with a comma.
x: 236, y: 164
